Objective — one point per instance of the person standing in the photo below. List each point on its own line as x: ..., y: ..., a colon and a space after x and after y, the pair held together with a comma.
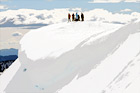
x: 73, y: 19
x: 69, y: 16
x: 76, y: 19
x: 82, y: 16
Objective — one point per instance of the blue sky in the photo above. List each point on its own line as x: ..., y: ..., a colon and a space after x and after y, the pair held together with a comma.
x: 53, y: 4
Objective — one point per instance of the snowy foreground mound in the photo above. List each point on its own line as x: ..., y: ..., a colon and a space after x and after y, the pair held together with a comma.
x: 82, y: 57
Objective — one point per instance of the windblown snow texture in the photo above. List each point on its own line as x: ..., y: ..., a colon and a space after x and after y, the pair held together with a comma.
x: 82, y: 57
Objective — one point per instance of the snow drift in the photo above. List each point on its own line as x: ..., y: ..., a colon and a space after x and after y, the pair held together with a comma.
x: 77, y: 57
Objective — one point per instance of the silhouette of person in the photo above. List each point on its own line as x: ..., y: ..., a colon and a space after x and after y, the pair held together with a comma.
x: 76, y: 17
x: 82, y: 16
x: 69, y: 16
x: 73, y: 18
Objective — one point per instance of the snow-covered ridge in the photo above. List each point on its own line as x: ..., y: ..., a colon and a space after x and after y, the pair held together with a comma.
x: 38, y: 17
x: 77, y: 57
x: 59, y: 38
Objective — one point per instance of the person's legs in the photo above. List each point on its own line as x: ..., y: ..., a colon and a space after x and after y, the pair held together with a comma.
x: 69, y: 20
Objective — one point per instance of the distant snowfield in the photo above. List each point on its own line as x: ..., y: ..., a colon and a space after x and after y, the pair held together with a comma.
x: 23, y: 17
x: 78, y: 57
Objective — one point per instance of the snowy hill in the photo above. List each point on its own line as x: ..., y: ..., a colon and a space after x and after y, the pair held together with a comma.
x: 31, y: 17
x: 77, y: 57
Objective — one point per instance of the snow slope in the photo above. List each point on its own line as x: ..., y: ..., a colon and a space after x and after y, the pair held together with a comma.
x: 77, y: 57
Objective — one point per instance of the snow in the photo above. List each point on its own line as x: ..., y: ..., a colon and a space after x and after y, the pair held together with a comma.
x: 118, y: 64
x: 66, y: 36
x: 77, y: 57
x: 8, y: 75
x: 38, y: 17
x: 15, y: 23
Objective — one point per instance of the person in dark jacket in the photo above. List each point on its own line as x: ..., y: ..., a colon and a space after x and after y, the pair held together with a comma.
x: 82, y: 16
x: 73, y: 18
x: 78, y: 18
x: 69, y: 16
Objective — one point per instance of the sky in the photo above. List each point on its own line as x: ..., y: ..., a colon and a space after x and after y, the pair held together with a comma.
x: 127, y: 6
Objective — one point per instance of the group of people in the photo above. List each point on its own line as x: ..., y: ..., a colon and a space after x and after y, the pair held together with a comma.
x: 75, y: 17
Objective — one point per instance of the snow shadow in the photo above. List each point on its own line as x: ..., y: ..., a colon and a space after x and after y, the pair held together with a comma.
x: 51, y: 74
